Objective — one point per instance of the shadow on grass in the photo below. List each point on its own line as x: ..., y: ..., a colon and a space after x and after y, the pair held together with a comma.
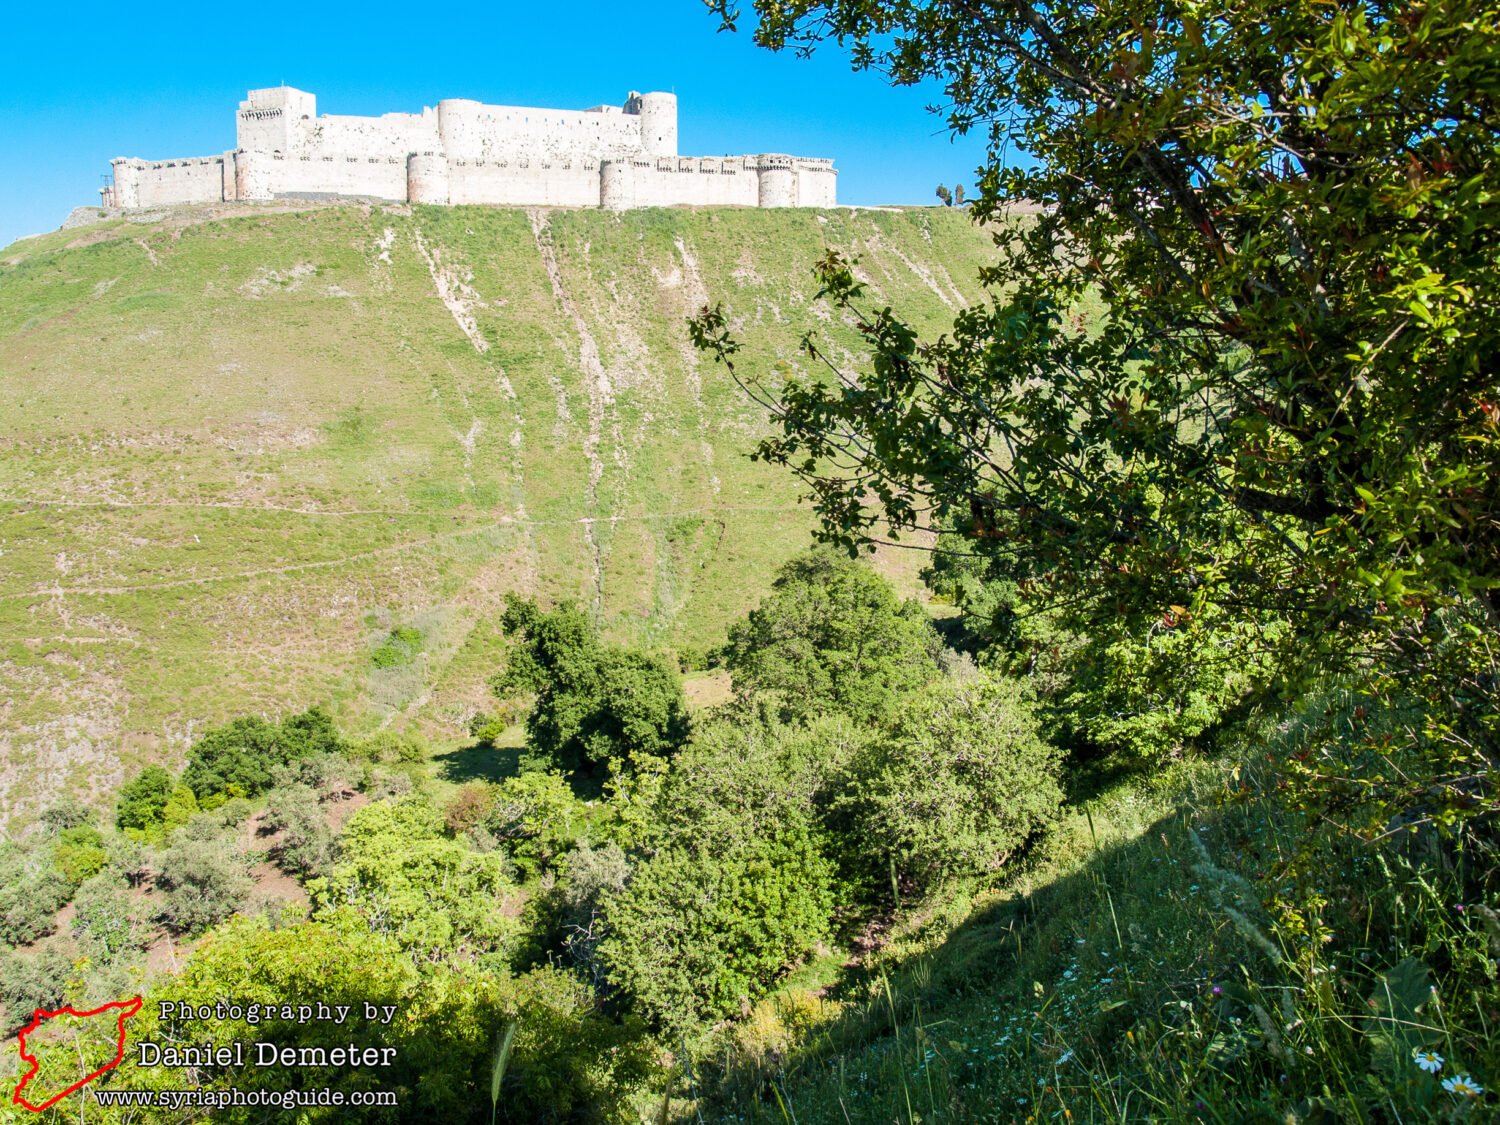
x: 480, y: 761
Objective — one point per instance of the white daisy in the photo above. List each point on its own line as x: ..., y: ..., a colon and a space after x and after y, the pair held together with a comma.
x: 1430, y: 1061
x: 1463, y: 1085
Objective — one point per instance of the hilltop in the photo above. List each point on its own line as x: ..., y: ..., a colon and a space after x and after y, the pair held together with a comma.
x: 244, y: 447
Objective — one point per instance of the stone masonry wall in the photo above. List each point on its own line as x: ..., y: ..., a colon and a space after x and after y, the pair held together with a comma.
x: 467, y: 152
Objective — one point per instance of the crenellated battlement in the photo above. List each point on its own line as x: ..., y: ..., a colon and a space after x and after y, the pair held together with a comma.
x: 464, y: 151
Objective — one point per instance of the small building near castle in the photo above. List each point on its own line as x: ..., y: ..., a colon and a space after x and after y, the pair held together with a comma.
x: 617, y: 157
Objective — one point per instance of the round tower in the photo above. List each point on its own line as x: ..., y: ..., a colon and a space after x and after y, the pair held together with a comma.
x: 427, y: 177
x: 616, y: 185
x: 778, y: 182
x: 658, y: 124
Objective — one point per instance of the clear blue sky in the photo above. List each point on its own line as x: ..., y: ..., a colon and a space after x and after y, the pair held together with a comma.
x: 81, y: 85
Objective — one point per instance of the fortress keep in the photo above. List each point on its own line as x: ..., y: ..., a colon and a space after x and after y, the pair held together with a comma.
x: 467, y: 152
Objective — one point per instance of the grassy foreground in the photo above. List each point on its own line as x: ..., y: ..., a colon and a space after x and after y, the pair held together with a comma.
x: 243, y: 448
x: 1189, y: 948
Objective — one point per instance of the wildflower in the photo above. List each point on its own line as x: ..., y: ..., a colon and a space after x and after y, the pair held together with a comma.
x: 1218, y: 991
x: 1430, y: 1061
x: 1464, y: 1085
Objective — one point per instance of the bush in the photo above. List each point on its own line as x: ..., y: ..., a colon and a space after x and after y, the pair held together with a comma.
x: 237, y: 759
x: 105, y: 922
x: 535, y: 816
x: 131, y: 859
x: 28, y: 908
x: 469, y: 807
x: 79, y: 853
x: 306, y: 842
x: 142, y: 799
x: 204, y: 884
x: 598, y: 706
x: 738, y: 887
x: 956, y: 786
x: 31, y: 983
x: 66, y: 812
x: 388, y: 746
x: 831, y: 636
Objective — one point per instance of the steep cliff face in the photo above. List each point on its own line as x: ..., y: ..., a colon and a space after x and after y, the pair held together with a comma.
x: 238, y: 449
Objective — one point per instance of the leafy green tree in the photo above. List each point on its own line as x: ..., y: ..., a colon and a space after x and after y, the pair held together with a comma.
x: 66, y: 812
x: 204, y: 883
x: 29, y: 983
x: 832, y: 636
x: 105, y: 921
x: 79, y: 853
x: 958, y: 784
x: 141, y: 800
x: 306, y: 842
x: 238, y: 758
x: 737, y: 887
x: 435, y: 896
x: 597, y: 705
x: 568, y: 1062
x: 181, y: 807
x: 1241, y: 355
x: 945, y: 195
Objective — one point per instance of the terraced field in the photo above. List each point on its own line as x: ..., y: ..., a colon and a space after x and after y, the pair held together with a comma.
x: 238, y: 448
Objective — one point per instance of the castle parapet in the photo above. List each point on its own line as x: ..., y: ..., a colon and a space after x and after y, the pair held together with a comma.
x: 464, y: 151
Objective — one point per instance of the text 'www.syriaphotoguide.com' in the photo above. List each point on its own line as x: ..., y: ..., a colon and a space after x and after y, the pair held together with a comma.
x: 223, y: 1099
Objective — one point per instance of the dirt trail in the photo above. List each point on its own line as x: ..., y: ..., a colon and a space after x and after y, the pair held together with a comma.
x: 587, y: 523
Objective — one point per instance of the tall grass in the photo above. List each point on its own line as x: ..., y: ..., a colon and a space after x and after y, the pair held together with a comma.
x: 1193, y: 948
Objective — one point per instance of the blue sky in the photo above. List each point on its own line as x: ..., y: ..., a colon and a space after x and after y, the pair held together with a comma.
x: 81, y: 86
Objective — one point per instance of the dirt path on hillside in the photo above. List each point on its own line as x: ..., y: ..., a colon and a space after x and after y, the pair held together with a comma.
x: 587, y: 522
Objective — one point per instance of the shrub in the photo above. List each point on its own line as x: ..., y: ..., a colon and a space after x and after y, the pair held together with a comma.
x: 142, y: 799
x: 956, y: 786
x: 79, y: 853
x: 28, y: 908
x: 66, y: 812
x: 131, y: 859
x: 469, y: 807
x: 180, y: 808
x: 306, y: 842
x: 399, y: 647
x: 237, y: 759
x: 831, y: 636
x: 397, y: 870
x: 106, y: 923
x: 598, y: 706
x: 204, y: 884
x: 535, y: 816
x: 31, y: 983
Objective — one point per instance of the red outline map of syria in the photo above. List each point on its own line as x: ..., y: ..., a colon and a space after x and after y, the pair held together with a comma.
x: 127, y: 1008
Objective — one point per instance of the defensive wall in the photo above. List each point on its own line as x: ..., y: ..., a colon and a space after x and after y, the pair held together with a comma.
x: 617, y: 157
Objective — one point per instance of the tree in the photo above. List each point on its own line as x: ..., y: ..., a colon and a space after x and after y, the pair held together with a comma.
x: 142, y: 799
x: 79, y: 853
x: 29, y: 983
x: 737, y: 886
x: 957, y: 786
x: 306, y: 842
x: 958, y: 196
x: 597, y: 704
x: 66, y: 812
x: 433, y: 895
x: 238, y: 758
x: 832, y: 636
x: 945, y: 195
x: 1243, y: 354
x: 105, y: 921
x: 204, y: 884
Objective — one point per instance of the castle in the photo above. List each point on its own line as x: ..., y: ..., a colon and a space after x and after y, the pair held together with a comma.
x: 467, y: 152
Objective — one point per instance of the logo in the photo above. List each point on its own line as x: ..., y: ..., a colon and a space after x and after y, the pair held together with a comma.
x: 126, y: 1009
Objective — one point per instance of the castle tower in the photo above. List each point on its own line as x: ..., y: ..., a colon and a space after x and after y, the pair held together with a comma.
x: 427, y: 177
x: 272, y: 120
x: 658, y: 113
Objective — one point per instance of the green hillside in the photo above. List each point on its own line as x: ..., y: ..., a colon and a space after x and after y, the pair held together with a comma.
x: 239, y: 449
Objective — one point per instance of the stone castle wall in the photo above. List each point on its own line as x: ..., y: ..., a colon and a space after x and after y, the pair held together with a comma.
x: 467, y: 152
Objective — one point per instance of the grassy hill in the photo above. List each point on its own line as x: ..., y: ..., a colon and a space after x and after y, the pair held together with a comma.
x: 241, y: 447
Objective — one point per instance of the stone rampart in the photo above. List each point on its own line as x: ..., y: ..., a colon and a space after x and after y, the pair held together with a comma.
x: 468, y: 152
